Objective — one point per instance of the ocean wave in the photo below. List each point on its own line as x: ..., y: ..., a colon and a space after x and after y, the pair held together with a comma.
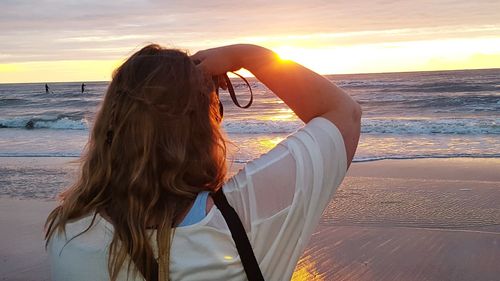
x: 59, y: 123
x: 11, y: 101
x: 435, y: 84
x: 361, y: 159
x: 261, y: 127
x: 232, y: 127
x: 39, y: 154
x: 435, y: 103
x: 465, y: 126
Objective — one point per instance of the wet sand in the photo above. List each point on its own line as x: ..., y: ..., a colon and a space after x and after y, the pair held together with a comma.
x: 399, y: 253
x: 22, y: 252
x: 426, y: 219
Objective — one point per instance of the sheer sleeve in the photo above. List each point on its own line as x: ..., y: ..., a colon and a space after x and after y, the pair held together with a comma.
x: 281, y: 195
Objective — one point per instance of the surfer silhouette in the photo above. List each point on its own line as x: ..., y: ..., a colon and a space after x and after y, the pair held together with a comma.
x: 83, y: 87
x: 46, y: 88
x: 30, y: 125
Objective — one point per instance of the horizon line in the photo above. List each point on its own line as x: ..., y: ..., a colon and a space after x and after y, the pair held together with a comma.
x: 335, y: 74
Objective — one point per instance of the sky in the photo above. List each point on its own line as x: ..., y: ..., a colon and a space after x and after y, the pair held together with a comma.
x: 84, y: 40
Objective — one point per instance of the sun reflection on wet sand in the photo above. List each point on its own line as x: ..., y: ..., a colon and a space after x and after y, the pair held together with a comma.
x: 307, y: 270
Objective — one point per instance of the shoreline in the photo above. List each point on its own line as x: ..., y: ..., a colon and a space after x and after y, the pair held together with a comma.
x: 19, y: 172
x: 418, y: 219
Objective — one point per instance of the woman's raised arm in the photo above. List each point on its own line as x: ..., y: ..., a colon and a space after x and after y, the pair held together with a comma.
x: 307, y: 93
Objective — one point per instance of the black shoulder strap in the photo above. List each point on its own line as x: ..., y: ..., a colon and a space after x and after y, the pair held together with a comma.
x: 154, y: 269
x: 240, y: 237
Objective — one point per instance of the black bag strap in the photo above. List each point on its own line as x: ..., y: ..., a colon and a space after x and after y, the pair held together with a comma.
x: 153, y: 276
x: 240, y: 237
x: 154, y: 269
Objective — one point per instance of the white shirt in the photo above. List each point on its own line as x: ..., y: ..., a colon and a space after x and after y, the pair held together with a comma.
x: 279, y: 197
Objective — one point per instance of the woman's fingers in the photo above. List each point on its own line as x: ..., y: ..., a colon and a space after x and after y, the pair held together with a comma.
x: 203, y: 67
x: 215, y: 61
x: 219, y: 82
x: 205, y: 62
x: 222, y: 82
x: 198, y: 57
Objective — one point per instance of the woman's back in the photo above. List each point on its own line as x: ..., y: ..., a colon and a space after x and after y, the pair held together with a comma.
x: 279, y: 197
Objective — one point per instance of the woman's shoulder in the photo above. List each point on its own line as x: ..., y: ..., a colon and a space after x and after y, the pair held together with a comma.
x: 81, y: 251
x: 90, y: 228
x: 319, y: 129
x: 318, y: 134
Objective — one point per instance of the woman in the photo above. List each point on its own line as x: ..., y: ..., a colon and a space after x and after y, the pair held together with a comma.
x: 156, y: 151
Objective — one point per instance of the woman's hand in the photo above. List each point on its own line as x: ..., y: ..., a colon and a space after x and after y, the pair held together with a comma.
x: 217, y: 61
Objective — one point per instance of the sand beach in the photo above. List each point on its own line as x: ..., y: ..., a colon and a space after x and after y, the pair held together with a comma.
x: 419, y: 219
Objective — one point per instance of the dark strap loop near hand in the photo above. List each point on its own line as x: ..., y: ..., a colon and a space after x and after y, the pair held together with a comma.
x: 232, y: 93
x: 230, y: 89
x: 240, y: 237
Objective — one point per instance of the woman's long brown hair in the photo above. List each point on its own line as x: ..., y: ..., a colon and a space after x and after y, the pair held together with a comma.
x: 154, y: 145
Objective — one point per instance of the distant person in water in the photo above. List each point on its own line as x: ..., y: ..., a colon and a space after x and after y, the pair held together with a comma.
x: 83, y: 87
x: 46, y: 88
x: 30, y: 125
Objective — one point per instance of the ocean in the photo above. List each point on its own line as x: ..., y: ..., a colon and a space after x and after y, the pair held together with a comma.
x: 405, y: 116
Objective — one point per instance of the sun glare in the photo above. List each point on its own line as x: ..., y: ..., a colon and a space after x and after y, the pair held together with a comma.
x: 397, y: 56
x: 287, y: 52
x: 423, y: 55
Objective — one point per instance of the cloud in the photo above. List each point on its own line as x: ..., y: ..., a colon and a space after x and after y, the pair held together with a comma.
x: 90, y: 29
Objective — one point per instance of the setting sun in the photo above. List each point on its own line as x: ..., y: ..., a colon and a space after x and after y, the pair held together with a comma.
x: 397, y: 56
